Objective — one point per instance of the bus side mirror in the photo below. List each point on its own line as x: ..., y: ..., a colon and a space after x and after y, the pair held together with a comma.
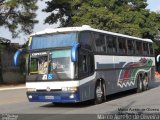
x: 74, y: 52
x: 158, y: 63
x: 17, y: 54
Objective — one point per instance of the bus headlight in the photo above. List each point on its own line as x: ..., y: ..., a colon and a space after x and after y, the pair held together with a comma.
x: 71, y: 96
x: 69, y: 89
x: 31, y: 89
x: 30, y: 96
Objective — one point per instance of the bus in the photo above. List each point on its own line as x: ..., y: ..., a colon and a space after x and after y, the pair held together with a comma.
x: 76, y: 64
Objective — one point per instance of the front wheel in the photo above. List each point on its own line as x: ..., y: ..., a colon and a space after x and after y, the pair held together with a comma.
x: 99, y: 93
x: 139, y: 84
x: 145, y: 83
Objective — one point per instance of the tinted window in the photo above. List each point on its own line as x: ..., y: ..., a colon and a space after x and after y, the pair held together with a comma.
x: 151, y: 49
x: 86, y: 40
x: 83, y: 64
x: 130, y: 44
x: 86, y: 63
x: 122, y: 45
x: 111, y: 44
x: 91, y: 63
x: 100, y: 42
x: 139, y: 47
x: 145, y: 49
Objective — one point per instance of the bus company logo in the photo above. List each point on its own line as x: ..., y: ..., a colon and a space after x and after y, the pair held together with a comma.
x: 129, y: 71
x: 48, y: 89
x: 39, y: 54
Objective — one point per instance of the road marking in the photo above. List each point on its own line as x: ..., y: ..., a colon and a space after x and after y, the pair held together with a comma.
x: 12, y: 88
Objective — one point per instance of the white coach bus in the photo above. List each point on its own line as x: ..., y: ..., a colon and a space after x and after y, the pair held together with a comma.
x: 77, y: 64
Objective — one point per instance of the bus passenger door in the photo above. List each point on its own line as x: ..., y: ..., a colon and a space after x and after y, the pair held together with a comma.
x: 85, y: 70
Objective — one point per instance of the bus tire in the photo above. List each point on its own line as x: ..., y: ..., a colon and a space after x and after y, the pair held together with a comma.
x: 104, y: 91
x: 139, y: 84
x: 145, y: 83
x: 99, y: 93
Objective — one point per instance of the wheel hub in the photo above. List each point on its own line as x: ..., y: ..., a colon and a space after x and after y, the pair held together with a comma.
x: 99, y: 92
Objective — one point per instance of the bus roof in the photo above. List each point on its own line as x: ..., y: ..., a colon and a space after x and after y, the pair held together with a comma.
x: 84, y: 28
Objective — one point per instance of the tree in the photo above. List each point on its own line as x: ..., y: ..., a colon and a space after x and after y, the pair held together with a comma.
x: 18, y: 15
x: 157, y: 37
x: 157, y: 41
x: 124, y: 16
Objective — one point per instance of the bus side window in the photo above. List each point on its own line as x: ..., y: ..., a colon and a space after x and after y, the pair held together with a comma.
x: 145, y: 49
x: 151, y: 49
x: 130, y: 44
x: 122, y: 45
x: 111, y: 44
x: 139, y: 47
x: 86, y: 40
x: 83, y: 64
x: 100, y: 42
x: 91, y: 64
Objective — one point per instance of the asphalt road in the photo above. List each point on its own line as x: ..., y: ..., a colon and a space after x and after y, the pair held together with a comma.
x: 15, y: 102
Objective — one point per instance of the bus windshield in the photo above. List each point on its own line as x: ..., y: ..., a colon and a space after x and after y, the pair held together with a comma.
x: 55, y: 62
x: 53, y: 40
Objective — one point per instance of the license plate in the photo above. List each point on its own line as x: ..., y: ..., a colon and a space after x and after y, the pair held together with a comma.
x: 49, y: 97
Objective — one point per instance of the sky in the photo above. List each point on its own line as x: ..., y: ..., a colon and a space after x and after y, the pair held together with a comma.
x: 153, y: 5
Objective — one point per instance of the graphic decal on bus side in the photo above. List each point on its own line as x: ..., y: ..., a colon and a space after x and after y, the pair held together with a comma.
x: 127, y: 76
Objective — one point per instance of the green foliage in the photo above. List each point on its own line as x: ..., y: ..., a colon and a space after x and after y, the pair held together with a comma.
x: 18, y: 15
x: 124, y: 16
x: 157, y: 40
x: 1, y: 47
x: 155, y: 46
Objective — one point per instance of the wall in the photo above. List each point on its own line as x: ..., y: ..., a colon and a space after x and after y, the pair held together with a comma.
x: 9, y: 72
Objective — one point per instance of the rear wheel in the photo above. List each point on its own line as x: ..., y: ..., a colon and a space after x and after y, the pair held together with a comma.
x: 139, y: 84
x: 99, y: 93
x: 145, y: 83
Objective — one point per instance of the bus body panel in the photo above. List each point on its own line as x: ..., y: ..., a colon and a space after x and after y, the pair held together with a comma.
x: 114, y: 69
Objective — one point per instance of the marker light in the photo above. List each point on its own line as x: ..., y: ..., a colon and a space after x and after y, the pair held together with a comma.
x: 69, y: 89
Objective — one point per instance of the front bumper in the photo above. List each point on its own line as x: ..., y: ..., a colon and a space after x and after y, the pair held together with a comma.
x: 53, y: 97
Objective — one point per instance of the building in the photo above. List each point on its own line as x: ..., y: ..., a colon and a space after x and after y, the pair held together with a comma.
x: 8, y: 72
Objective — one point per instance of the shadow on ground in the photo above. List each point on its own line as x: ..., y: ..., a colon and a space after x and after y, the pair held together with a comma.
x: 70, y: 105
